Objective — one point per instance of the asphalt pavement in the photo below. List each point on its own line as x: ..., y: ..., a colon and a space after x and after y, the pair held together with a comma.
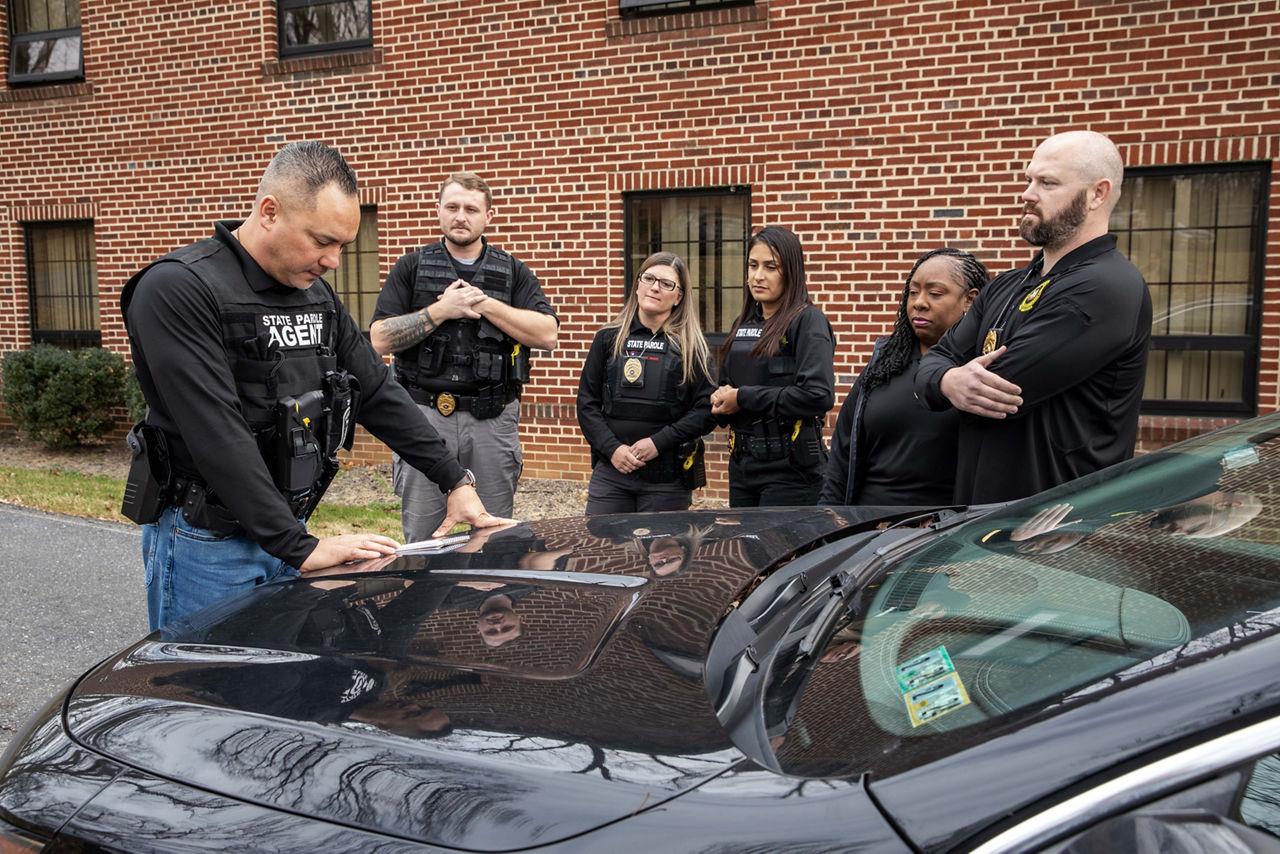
x: 72, y: 595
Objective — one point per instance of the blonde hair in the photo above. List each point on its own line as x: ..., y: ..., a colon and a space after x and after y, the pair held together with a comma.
x: 681, y: 328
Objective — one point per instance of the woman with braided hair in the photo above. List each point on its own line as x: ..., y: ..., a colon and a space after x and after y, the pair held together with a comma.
x: 887, y: 449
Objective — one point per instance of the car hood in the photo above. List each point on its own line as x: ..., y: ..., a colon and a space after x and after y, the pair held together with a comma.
x: 371, y: 699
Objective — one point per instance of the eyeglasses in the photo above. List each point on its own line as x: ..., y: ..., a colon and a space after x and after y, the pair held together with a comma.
x: 665, y: 284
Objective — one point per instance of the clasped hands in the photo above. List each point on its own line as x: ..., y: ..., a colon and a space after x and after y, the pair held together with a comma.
x: 629, y: 458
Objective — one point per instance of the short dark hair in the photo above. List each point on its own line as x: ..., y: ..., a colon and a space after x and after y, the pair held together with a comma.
x: 302, y: 169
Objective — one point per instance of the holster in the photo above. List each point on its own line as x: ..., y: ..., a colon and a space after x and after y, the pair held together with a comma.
x: 149, y: 485
x: 693, y: 469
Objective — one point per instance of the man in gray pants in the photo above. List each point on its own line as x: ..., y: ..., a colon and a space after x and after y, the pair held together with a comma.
x: 460, y: 316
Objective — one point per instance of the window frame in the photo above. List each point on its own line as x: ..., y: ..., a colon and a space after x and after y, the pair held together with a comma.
x: 287, y: 51
x: 1249, y: 344
x: 15, y: 39
x: 633, y: 256
x: 652, y: 8
x: 63, y: 337
x: 353, y: 254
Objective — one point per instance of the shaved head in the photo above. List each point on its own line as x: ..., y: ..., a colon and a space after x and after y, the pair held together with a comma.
x: 1091, y: 156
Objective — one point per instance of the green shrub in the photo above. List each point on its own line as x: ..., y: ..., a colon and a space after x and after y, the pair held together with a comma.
x: 134, y: 402
x: 62, y: 397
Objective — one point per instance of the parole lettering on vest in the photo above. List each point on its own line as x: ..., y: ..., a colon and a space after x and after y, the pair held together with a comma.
x: 749, y: 331
x: 642, y: 344
x: 299, y: 329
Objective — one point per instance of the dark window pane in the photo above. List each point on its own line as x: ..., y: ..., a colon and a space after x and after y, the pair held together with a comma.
x: 62, y: 281
x: 60, y: 56
x: 1196, y: 236
x: 638, y: 8
x: 356, y: 281
x: 307, y: 27
x: 709, y: 230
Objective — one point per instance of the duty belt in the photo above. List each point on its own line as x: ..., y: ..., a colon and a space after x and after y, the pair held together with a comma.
x: 769, y: 439
x: 447, y: 402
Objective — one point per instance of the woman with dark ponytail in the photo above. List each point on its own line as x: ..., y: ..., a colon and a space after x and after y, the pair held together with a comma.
x: 777, y: 379
x: 887, y: 449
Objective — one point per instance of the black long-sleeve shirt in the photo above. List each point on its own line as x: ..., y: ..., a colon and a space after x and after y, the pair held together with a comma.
x: 905, y: 454
x: 606, y: 433
x: 184, y: 368
x: 1077, y: 339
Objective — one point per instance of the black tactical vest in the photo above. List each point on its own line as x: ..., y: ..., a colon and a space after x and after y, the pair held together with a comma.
x: 463, y: 355
x: 278, y: 345
x: 741, y: 368
x: 642, y: 384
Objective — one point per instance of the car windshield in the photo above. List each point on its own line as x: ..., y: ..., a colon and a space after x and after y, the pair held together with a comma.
x: 1036, y: 605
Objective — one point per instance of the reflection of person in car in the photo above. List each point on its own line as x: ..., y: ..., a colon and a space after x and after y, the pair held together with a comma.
x: 667, y: 556
x: 1220, y: 512
x: 498, y: 623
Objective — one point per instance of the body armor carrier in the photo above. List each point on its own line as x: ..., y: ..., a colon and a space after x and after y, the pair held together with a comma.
x: 299, y: 406
x: 464, y: 355
x: 768, y: 438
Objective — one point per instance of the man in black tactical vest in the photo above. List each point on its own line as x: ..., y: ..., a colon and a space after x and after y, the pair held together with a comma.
x: 254, y: 374
x: 461, y: 316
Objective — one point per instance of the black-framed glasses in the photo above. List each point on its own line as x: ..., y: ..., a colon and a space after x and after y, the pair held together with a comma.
x: 665, y: 284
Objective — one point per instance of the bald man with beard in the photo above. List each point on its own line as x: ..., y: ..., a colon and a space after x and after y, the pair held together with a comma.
x: 1047, y: 366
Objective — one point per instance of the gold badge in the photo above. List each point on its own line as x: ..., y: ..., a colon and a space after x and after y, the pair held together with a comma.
x: 1030, y: 299
x: 731, y: 441
x: 989, y: 343
x: 446, y: 403
x: 632, y: 369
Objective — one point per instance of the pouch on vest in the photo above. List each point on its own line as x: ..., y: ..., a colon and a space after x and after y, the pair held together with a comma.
x: 343, y: 393
x: 298, y: 457
x: 150, y: 479
x: 488, y: 367
x: 431, y: 355
x: 518, y: 363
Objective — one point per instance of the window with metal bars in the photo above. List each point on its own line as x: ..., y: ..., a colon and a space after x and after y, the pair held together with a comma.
x: 1197, y: 234
x: 708, y: 228
x: 62, y: 284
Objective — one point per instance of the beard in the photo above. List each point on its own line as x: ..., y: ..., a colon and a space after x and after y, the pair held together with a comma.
x: 1057, y: 230
x: 456, y: 242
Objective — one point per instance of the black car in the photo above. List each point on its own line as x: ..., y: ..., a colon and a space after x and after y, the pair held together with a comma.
x: 1094, y: 669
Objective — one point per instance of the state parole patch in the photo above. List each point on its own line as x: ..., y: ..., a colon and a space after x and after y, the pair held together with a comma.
x: 1030, y: 299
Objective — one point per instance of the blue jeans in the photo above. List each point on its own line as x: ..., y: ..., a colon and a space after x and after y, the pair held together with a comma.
x: 188, y: 568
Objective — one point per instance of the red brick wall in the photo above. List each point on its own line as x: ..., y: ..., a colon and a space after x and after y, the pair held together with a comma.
x: 875, y: 130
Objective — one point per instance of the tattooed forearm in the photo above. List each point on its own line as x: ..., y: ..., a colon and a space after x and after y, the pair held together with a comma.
x: 407, y: 329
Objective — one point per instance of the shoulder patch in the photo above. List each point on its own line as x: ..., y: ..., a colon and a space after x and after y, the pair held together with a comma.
x: 1029, y: 301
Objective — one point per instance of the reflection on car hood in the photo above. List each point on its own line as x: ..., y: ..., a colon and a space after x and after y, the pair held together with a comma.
x: 374, y: 700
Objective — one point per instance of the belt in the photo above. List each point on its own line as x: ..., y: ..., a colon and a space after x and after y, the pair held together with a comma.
x: 447, y: 402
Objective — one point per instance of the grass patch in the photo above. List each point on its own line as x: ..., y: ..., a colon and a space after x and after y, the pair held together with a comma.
x: 66, y: 492
x: 379, y: 517
x: 98, y: 497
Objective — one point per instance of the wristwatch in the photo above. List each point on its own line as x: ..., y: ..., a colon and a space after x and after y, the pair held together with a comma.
x: 468, y: 479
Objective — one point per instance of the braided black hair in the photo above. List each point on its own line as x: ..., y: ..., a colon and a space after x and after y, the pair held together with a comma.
x: 897, y: 351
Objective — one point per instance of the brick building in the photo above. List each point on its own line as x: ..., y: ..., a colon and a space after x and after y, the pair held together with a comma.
x: 608, y: 128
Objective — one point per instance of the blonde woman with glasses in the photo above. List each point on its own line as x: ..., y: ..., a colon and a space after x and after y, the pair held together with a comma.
x: 644, y: 396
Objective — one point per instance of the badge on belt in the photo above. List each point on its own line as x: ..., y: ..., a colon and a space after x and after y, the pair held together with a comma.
x: 446, y: 403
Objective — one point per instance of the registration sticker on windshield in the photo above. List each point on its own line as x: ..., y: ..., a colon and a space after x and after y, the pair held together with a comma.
x: 935, y: 699
x: 925, y: 667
